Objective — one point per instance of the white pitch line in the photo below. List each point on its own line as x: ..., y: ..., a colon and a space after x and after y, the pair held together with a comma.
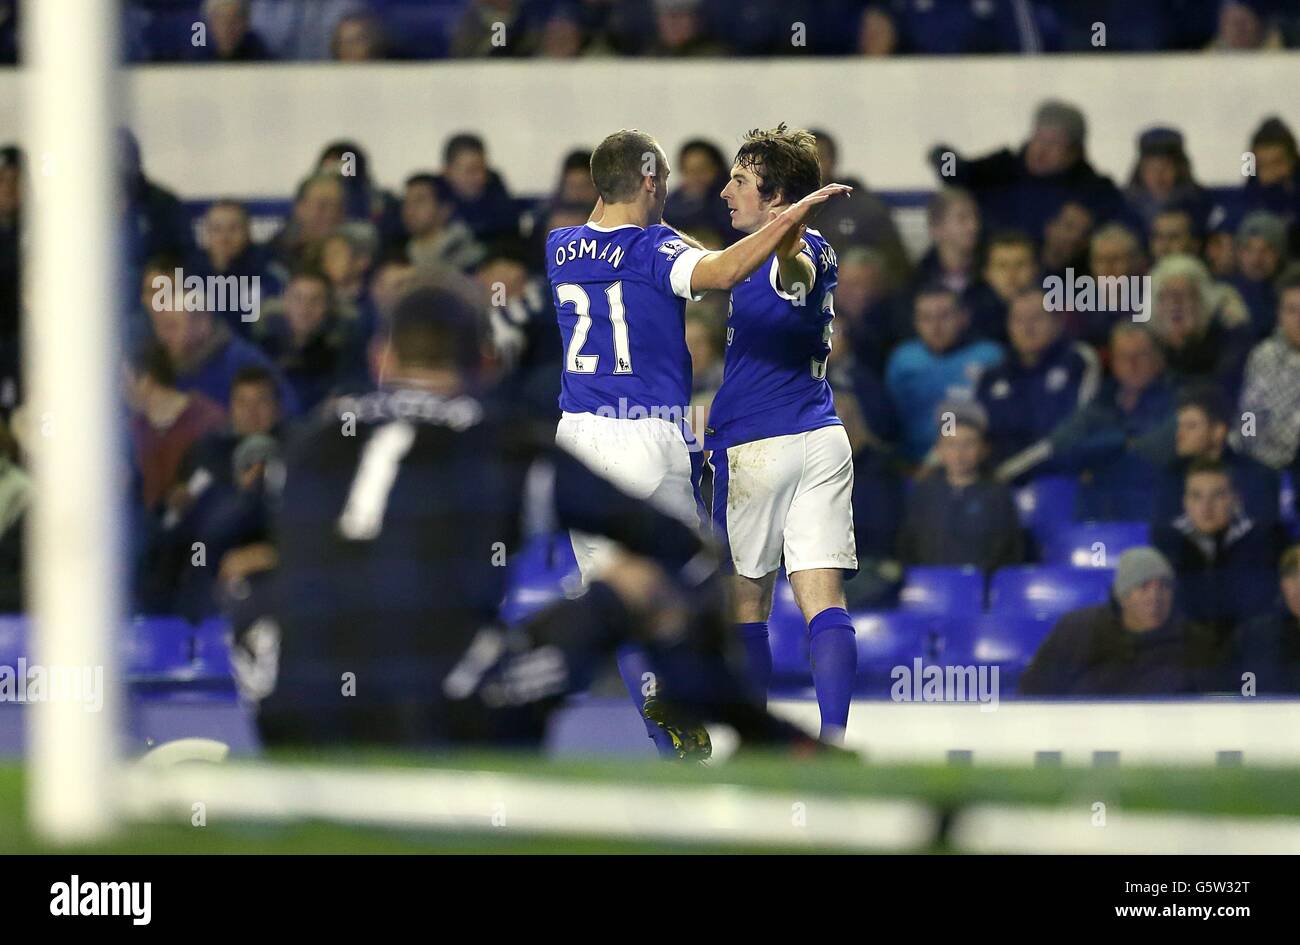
x: 488, y: 801
x: 1013, y: 829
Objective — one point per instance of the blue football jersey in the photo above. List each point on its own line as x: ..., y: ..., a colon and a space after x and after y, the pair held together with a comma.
x: 620, y: 295
x: 774, y: 379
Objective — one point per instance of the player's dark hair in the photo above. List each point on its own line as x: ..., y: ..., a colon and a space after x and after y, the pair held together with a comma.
x: 622, y: 161
x: 439, y: 327
x: 256, y: 374
x: 459, y: 143
x: 782, y: 160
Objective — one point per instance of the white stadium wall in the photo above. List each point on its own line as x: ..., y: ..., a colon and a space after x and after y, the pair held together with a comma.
x: 252, y: 131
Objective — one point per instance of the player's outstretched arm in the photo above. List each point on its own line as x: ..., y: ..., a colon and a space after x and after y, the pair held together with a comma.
x: 725, y: 268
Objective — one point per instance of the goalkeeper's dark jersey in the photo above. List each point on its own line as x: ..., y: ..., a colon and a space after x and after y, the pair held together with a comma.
x: 397, y: 516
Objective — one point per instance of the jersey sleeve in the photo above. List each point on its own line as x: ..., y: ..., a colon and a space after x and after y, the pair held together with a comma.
x: 672, y: 262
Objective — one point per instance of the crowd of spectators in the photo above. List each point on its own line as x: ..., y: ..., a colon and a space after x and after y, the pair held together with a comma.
x: 961, y: 375
x: 376, y: 30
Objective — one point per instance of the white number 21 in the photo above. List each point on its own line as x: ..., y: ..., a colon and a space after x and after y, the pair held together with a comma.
x: 574, y: 360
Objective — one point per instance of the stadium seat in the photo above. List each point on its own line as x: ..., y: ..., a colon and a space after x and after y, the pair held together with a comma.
x: 1047, y: 504
x: 212, y: 653
x: 887, y: 639
x: 1047, y: 592
x: 942, y: 590
x: 542, y: 572
x: 1286, y: 498
x: 788, y: 638
x: 1007, y: 641
x: 1094, y: 544
x: 159, y: 649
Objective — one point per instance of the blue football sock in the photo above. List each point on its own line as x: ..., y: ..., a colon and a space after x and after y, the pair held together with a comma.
x: 634, y: 667
x: 834, y: 655
x: 758, y: 654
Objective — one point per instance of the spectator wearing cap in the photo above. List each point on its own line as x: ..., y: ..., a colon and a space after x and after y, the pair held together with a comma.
x: 165, y: 422
x: 1026, y: 189
x: 475, y: 191
x: 1203, y: 420
x: 1046, y: 377
x: 1202, y: 326
x: 1275, y: 185
x: 1115, y: 441
x: 1261, y: 249
x: 1223, y: 559
x: 434, y: 236
x: 1162, y: 178
x: 1135, y: 644
x: 957, y: 515
x: 953, y: 261
x: 1268, y: 646
x: 1270, y: 395
x: 231, y: 37
x: 943, y: 362
x: 1173, y: 230
x: 696, y: 206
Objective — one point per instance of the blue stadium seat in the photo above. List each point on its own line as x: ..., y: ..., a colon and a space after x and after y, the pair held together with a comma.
x: 887, y: 639
x: 1007, y: 641
x: 1047, y: 592
x: 1286, y: 498
x: 788, y: 637
x: 212, y: 652
x: 540, y: 574
x: 1094, y: 544
x: 942, y: 590
x: 159, y: 648
x: 1047, y: 504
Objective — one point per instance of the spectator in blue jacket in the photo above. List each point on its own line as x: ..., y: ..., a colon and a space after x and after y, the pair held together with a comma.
x: 207, y: 355
x: 1117, y: 440
x: 229, y: 250
x: 1225, y: 562
x: 1261, y: 249
x: 312, y: 347
x: 1268, y: 646
x: 1204, y: 418
x: 1046, y: 378
x: 1027, y: 188
x: 476, y: 191
x: 941, y: 363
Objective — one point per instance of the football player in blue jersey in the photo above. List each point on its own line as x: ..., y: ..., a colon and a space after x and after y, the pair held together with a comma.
x: 620, y: 284
x: 783, y: 468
